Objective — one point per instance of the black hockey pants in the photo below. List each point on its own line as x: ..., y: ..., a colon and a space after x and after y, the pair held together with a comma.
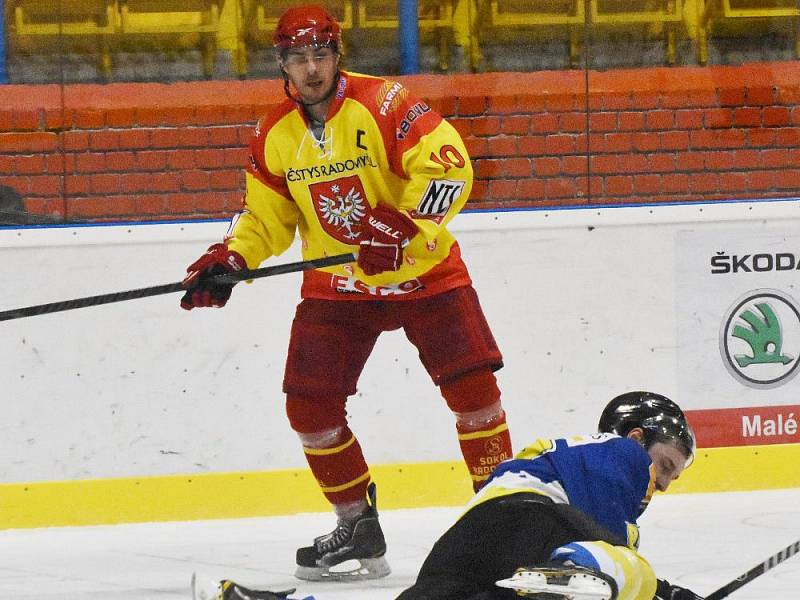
x: 495, y: 538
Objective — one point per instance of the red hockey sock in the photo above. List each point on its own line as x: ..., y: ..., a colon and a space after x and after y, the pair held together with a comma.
x: 480, y: 421
x: 485, y: 448
x: 340, y: 470
x: 331, y: 449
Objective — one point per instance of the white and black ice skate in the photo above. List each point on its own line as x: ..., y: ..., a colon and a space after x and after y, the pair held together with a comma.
x: 208, y: 589
x: 354, y: 550
x: 561, y: 582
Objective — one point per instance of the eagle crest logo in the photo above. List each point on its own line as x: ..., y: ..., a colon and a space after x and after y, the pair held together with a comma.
x: 341, y: 206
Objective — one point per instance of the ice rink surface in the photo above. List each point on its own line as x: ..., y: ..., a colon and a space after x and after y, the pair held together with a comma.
x: 700, y: 541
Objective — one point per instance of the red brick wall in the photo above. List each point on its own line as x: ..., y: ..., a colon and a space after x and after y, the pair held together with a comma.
x: 152, y: 151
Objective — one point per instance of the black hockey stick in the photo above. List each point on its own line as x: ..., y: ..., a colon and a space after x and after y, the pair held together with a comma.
x: 756, y: 571
x: 41, y: 309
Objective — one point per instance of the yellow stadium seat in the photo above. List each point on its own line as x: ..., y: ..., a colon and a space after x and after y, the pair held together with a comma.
x: 73, y: 18
x: 372, y: 13
x: 261, y: 17
x: 710, y: 12
x: 170, y: 17
x: 666, y: 13
x: 555, y: 12
x: 267, y: 12
x: 114, y: 20
x: 434, y: 16
x: 542, y: 14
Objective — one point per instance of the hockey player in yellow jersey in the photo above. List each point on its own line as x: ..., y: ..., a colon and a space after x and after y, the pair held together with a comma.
x: 354, y: 163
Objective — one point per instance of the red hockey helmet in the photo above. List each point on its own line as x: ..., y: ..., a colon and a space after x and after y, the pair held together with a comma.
x: 309, y: 25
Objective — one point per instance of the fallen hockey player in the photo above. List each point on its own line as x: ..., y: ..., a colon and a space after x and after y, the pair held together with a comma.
x: 558, y: 521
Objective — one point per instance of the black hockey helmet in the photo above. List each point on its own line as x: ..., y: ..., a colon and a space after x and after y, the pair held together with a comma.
x: 659, y: 417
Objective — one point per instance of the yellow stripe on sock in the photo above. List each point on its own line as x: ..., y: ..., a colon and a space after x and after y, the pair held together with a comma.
x: 327, y: 451
x: 476, y: 435
x: 345, y: 486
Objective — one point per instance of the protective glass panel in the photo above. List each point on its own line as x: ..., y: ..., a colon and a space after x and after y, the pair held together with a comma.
x: 688, y: 99
x: 652, y: 113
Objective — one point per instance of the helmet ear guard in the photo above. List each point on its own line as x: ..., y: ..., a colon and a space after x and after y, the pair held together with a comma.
x: 661, y: 419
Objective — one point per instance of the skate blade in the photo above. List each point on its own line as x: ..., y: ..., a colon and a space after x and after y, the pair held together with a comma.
x: 204, y: 588
x: 580, y: 586
x: 349, y: 570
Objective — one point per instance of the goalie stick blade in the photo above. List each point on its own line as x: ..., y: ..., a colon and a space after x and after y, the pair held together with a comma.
x: 567, y: 584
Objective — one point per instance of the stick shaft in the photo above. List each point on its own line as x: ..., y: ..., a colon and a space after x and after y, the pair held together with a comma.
x: 169, y: 288
x: 756, y: 571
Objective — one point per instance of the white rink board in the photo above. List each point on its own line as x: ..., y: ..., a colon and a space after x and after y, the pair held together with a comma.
x: 584, y: 304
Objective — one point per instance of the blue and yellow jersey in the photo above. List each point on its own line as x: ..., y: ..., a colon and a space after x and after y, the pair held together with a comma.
x: 608, y: 477
x: 380, y: 145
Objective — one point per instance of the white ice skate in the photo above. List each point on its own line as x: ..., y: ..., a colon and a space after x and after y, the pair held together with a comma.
x: 561, y: 583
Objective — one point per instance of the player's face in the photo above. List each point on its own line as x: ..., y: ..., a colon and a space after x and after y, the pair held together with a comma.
x: 668, y: 462
x: 312, y: 71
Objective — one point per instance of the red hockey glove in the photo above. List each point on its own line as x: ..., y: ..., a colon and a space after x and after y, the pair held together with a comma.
x: 386, y: 233
x: 200, y: 288
x: 667, y: 591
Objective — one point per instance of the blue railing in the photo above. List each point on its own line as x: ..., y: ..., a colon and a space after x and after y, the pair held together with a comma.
x: 409, y: 36
x: 3, y: 72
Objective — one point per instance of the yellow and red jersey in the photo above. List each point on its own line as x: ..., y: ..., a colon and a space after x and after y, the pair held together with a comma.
x: 380, y: 144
